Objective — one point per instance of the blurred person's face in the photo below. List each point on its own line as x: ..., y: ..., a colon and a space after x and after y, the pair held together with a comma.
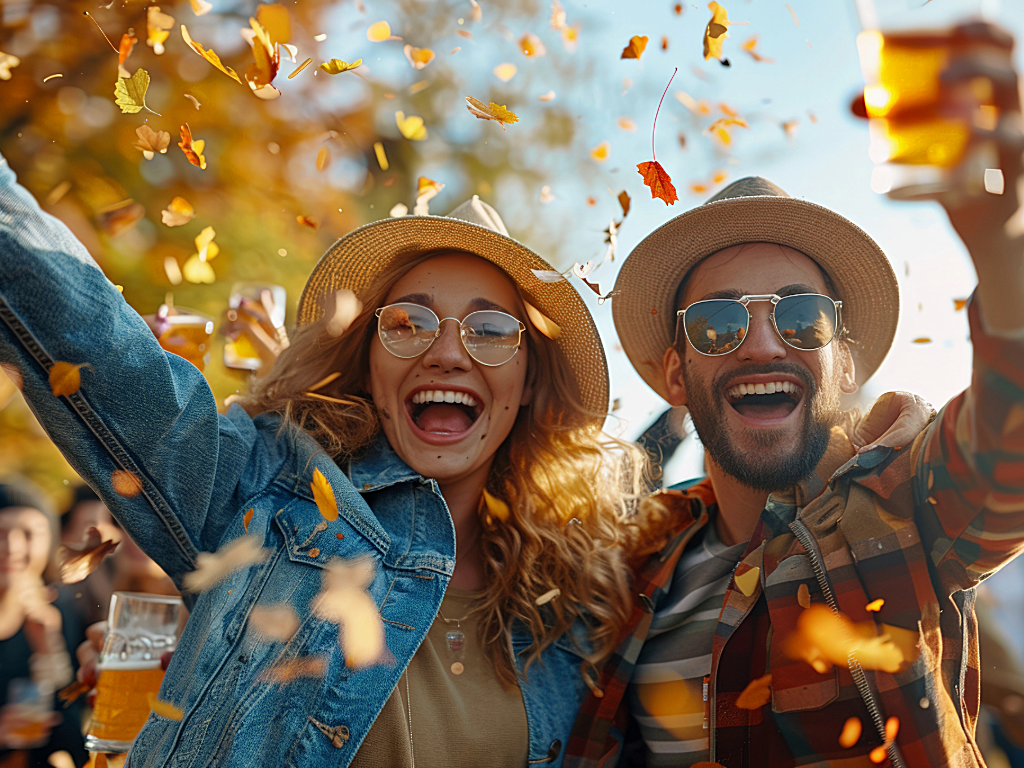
x: 448, y: 441
x: 86, y: 515
x: 24, y: 544
x: 768, y: 442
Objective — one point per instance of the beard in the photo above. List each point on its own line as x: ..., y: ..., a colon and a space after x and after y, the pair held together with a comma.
x: 775, y: 461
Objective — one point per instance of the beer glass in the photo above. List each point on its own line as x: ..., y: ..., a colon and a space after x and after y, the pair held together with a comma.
x: 186, y: 334
x: 141, y: 628
x: 260, y: 307
x: 922, y: 129
x: 34, y: 708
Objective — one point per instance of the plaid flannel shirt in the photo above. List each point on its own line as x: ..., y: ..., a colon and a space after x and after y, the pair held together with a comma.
x: 919, y: 527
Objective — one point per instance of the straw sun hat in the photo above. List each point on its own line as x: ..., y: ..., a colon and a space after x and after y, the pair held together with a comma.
x: 356, y: 260
x: 753, y: 210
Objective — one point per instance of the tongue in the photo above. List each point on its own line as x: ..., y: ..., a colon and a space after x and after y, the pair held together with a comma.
x: 444, y: 418
x: 767, y: 411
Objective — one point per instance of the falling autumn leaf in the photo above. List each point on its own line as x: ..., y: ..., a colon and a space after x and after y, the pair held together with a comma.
x: 273, y: 17
x: 125, y: 48
x: 756, y: 694
x: 301, y: 67
x: 851, y: 733
x: 750, y: 46
x: 193, y: 99
x: 210, y: 56
x: 659, y: 182
x: 959, y: 304
x: 495, y: 507
x: 120, y: 217
x: 164, y: 708
x: 130, y: 93
x: 748, y: 581
x: 213, y: 567
x: 179, y: 211
x: 379, y: 32
x: 278, y: 622
x: 151, y: 142
x: 341, y: 308
x: 557, y: 16
x: 790, y: 127
x: 323, y: 158
x: 571, y: 37
x: 700, y: 108
x: 497, y: 112
x: 505, y: 72
x: 193, y: 149
x: 922, y: 340
x: 797, y: 20
x: 306, y: 221
x: 549, y: 96
x: 548, y: 275
x: 531, y: 45
x: 875, y: 605
x: 411, y: 127
x: 716, y: 32
x: 823, y: 639
x: 627, y: 124
x: 382, y: 157
x: 546, y: 196
x: 200, y: 7
x: 158, y: 28
x: 343, y: 600
x: 418, y: 57
x: 323, y: 495
x: 7, y: 63
x: 125, y: 483
x: 803, y: 596
x: 287, y: 670
x: 542, y: 322
x: 246, y: 519
x: 635, y: 48
x: 198, y: 271
x: 65, y: 378
x: 600, y: 152
x: 77, y: 562
x: 548, y: 596
x: 333, y: 67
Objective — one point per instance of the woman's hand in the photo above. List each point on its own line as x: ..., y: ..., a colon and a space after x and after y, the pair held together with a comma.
x: 894, y: 420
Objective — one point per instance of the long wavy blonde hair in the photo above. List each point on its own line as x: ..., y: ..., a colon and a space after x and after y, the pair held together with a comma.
x: 573, y: 491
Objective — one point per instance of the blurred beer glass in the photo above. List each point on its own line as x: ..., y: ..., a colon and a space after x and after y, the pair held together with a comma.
x: 921, y: 128
x: 256, y: 311
x: 34, y: 707
x: 184, y: 332
x: 142, y: 628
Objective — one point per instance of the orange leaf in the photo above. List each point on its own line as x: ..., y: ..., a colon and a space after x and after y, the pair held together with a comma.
x: 323, y: 495
x: 659, y: 182
x: 193, y: 149
x: 531, y: 45
x: 124, y: 50
x: 878, y: 754
x: 750, y: 46
x: 418, y: 57
x: 875, y: 605
x: 852, y: 730
x: 164, y: 708
x: 803, y: 596
x: 323, y: 158
x: 636, y: 47
x: 78, y: 562
x: 892, y: 728
x: 959, y: 304
x: 922, y: 340
x: 246, y: 519
x: 125, y: 483
x: 600, y: 152
x: 306, y: 221
x: 65, y: 378
x: 757, y: 694
x: 210, y: 56
x: 287, y: 670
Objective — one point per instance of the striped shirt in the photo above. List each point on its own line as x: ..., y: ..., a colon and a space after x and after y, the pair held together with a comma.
x: 666, y: 694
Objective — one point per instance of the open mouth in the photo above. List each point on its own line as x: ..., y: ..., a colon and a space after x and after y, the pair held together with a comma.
x: 768, y: 401
x: 446, y: 412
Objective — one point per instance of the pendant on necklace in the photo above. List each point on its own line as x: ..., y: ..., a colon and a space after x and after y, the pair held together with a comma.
x: 456, y: 648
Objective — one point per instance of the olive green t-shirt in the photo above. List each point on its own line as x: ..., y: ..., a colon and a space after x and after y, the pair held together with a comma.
x: 460, y: 720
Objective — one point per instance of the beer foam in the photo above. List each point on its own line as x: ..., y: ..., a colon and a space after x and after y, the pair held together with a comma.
x: 129, y: 665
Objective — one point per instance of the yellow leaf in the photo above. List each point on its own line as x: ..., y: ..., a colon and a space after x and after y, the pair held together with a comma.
x: 7, y: 63
x: 164, y: 708
x: 423, y: 184
x: 750, y: 46
x: 875, y: 605
x: 125, y: 483
x: 716, y: 32
x: 748, y: 581
x: 600, y: 152
x: 274, y: 19
x: 378, y: 32
x: 323, y: 158
x: 130, y: 93
x: 323, y: 495
x: 531, y: 45
x: 200, y: 7
x: 195, y: 270
x: 505, y: 72
x: 382, y: 158
x: 210, y: 56
x: 65, y: 378
x: 635, y: 48
x: 336, y: 66
x: 497, y: 112
x: 411, y: 127
x: 179, y: 211
x: 542, y: 322
x: 418, y: 57
x: 496, y: 507
x: 158, y: 28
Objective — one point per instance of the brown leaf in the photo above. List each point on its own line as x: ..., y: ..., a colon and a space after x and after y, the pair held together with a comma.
x: 658, y: 181
x: 116, y: 218
x: 307, y: 221
x: 65, y: 378
x: 624, y: 201
x: 69, y: 694
x: 193, y: 149
x: 125, y: 483
x: 803, y: 596
x: 635, y: 48
x: 78, y: 562
x: 151, y: 142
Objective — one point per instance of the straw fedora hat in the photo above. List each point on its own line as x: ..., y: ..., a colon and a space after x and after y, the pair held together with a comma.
x: 753, y: 210
x: 356, y: 260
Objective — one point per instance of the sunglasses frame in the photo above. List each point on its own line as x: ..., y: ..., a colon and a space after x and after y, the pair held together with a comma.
x: 462, y: 332
x: 743, y: 301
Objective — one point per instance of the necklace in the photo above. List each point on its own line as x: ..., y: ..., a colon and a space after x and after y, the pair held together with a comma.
x: 456, y: 641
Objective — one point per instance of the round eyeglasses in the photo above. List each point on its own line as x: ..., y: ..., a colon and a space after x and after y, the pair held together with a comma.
x: 490, y: 337
x: 804, y: 321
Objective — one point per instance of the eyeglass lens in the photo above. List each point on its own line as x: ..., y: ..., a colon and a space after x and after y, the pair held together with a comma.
x: 718, y: 326
x: 490, y: 337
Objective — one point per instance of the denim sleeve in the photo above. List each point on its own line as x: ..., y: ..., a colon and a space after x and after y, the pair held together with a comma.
x: 139, y: 409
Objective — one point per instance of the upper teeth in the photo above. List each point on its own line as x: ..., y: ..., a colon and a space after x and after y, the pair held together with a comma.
x: 770, y: 388
x: 443, y: 396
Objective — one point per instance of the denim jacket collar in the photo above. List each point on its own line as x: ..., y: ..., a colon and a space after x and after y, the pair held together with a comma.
x: 379, y: 467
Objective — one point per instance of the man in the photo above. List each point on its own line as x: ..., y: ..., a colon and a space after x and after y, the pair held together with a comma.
x: 756, y: 310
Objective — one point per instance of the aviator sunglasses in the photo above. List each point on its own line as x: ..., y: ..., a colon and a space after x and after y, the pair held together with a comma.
x: 490, y: 337
x: 804, y: 321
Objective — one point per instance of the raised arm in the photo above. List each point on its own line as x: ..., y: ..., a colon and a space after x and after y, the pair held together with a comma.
x: 139, y: 409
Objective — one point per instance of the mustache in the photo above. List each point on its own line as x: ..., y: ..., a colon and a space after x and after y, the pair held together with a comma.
x: 789, y: 369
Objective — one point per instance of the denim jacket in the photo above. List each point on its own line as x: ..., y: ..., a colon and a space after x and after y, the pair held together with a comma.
x: 151, y: 413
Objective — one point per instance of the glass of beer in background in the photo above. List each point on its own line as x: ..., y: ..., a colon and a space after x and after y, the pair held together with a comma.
x: 923, y: 130
x: 256, y: 312
x: 141, y: 628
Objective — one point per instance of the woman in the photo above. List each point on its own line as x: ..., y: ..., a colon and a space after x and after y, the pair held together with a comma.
x: 430, y: 451
x: 35, y: 636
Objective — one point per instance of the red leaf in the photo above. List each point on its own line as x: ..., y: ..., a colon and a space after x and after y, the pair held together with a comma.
x: 659, y: 181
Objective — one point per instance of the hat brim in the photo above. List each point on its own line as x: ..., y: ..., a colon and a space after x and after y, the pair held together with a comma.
x: 644, y: 311
x: 358, y: 258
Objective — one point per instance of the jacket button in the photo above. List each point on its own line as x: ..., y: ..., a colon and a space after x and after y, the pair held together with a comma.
x: 554, y: 749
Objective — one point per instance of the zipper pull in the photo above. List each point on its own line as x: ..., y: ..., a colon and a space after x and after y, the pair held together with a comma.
x: 707, y: 704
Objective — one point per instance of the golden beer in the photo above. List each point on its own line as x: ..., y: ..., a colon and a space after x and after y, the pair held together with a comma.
x: 122, y: 700
x: 188, y: 336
